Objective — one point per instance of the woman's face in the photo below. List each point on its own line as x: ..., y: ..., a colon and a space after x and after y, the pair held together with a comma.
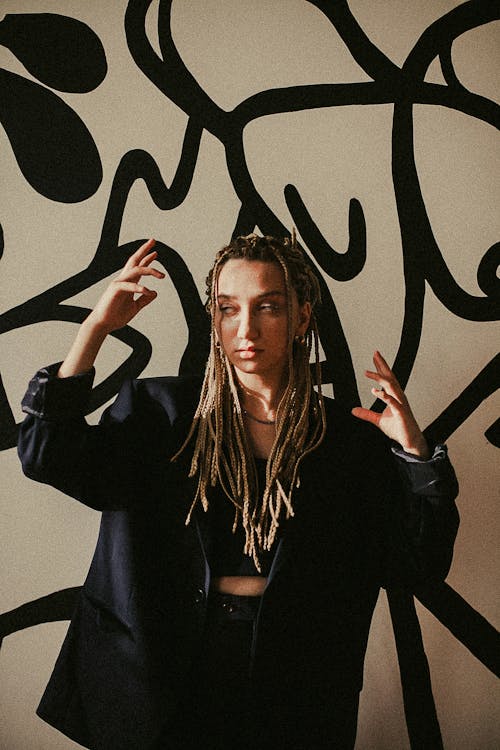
x: 251, y: 317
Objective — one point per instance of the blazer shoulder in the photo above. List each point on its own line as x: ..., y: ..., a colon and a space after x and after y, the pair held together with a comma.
x: 154, y: 397
x: 177, y: 395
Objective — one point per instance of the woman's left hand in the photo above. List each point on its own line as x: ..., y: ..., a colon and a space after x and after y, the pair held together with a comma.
x: 397, y: 420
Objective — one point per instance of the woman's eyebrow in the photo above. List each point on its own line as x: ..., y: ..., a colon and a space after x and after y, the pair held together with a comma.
x: 271, y: 293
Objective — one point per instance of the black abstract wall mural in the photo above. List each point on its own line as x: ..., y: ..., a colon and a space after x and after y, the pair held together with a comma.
x: 59, y: 159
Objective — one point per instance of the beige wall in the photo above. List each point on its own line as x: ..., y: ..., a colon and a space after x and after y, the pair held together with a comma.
x: 235, y: 49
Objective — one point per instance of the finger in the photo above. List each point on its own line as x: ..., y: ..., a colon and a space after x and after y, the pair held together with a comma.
x: 386, y: 385
x: 385, y: 370
x: 388, y: 381
x: 145, y: 299
x: 135, y: 273
x: 376, y: 376
x: 381, y: 364
x: 366, y: 415
x: 143, y: 250
x: 387, y: 398
x: 149, y: 258
x: 130, y: 286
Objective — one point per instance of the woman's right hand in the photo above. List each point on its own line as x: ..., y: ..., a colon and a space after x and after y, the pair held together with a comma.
x: 114, y: 310
x: 119, y: 303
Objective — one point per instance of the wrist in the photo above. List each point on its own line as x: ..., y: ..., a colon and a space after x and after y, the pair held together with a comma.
x: 418, y: 448
x: 86, y: 346
x: 94, y: 328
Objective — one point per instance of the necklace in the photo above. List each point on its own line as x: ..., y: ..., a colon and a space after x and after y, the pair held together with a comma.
x: 256, y: 419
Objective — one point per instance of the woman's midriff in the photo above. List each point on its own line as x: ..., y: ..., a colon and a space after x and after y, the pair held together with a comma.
x: 239, y: 585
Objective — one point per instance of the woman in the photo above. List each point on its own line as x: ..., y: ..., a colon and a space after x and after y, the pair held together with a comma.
x: 248, y: 522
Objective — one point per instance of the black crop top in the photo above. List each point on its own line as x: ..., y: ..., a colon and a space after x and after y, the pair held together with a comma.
x: 226, y: 556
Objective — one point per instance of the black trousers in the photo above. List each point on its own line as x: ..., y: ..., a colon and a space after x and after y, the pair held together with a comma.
x: 218, y: 709
x: 215, y: 712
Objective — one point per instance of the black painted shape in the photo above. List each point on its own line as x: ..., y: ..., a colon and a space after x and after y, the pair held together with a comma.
x: 54, y: 150
x: 311, y: 96
x: 139, y: 164
x: 339, y: 266
x: 411, y: 219
x: 245, y: 223
x: 59, y: 51
x: 2, y: 243
x: 492, y: 434
x: 420, y: 711
x: 448, y: 70
x: 467, y: 625
x: 423, y: 259
x: 440, y: 35
x: 487, y: 277
x: 486, y: 382
x: 169, y: 74
x: 367, y: 55
x: 51, y: 608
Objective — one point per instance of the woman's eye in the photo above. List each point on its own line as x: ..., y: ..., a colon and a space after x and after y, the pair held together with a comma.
x: 269, y: 308
x: 226, y: 309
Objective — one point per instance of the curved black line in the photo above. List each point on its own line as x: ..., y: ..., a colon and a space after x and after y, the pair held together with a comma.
x: 326, y: 95
x: 369, y: 57
x: 138, y: 164
x: 169, y: 74
x: 339, y: 266
x: 245, y: 222
x: 403, y: 177
x: 492, y: 434
x: 420, y: 710
x: 449, y: 73
x: 464, y: 622
x: 54, y: 607
x: 487, y: 278
x: 441, y: 34
x: 486, y: 382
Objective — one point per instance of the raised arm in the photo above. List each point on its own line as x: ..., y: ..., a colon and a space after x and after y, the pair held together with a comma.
x: 122, y: 300
x: 98, y: 465
x: 397, y: 420
x: 416, y: 516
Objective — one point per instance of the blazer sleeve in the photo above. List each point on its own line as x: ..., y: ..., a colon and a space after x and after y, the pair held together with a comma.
x: 112, y: 465
x: 419, y: 518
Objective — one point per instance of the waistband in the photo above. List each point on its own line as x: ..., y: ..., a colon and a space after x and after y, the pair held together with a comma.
x: 233, y: 606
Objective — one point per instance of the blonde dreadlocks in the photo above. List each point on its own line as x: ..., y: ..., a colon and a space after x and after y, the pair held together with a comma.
x: 221, y: 449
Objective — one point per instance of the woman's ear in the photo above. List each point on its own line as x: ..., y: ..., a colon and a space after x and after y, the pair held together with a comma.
x: 304, y: 319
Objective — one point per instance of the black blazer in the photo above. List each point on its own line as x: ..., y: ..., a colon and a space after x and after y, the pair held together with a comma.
x: 364, y: 517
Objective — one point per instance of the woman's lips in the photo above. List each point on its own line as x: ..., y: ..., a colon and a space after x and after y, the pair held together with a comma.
x: 249, y: 353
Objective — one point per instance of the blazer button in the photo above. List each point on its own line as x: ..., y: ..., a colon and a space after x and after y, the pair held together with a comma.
x: 199, y: 597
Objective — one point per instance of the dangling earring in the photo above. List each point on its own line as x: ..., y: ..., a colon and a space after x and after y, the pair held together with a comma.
x: 300, y: 339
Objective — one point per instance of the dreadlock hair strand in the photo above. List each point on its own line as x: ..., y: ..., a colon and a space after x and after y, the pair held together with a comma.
x: 221, y: 452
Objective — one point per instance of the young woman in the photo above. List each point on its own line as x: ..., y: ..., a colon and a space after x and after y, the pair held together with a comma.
x: 248, y: 522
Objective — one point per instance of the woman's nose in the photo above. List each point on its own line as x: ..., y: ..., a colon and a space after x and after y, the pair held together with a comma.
x: 246, y: 325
